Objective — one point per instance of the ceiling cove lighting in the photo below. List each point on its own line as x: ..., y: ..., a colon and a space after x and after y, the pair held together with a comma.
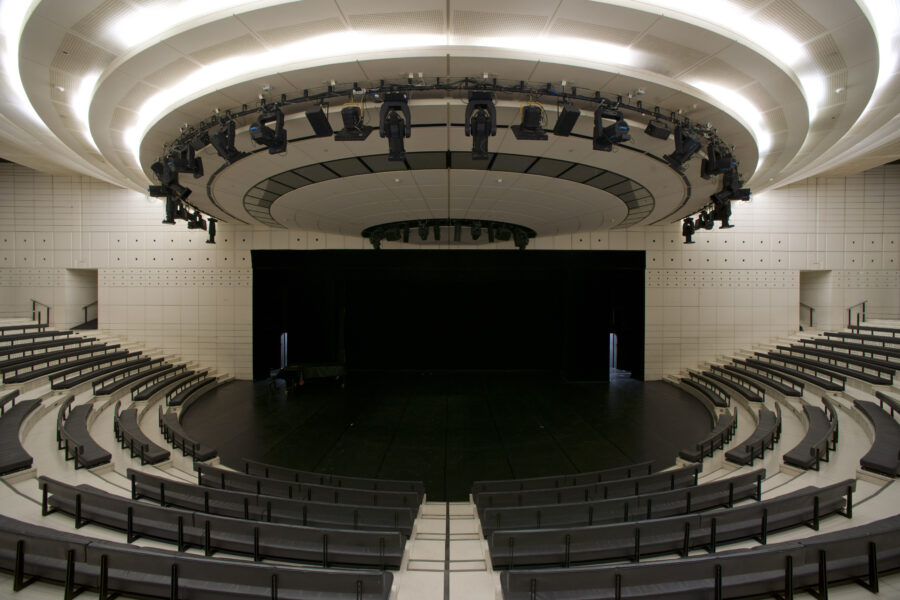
x: 12, y: 21
x: 481, y: 122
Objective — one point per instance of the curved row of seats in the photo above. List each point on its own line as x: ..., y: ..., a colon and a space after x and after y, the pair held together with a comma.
x: 707, y: 389
x: 820, y: 440
x: 129, y: 435
x: 748, y: 389
x: 259, y: 469
x: 557, y: 481
x: 13, y: 456
x: 726, y: 426
x: 179, y: 394
x: 174, y: 433
x: 764, y: 437
x: 73, y: 437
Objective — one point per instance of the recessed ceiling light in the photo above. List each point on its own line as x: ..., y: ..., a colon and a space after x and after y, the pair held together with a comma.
x: 396, y: 180
x: 59, y: 88
x: 499, y: 180
x: 839, y: 90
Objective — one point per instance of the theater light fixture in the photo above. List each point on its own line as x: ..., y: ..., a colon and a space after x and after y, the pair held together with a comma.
x: 705, y: 220
x: 481, y: 122
x: 475, y: 230
x: 685, y: 147
x: 722, y: 212
x: 196, y: 221
x: 274, y: 139
x: 565, y: 122
x: 354, y: 130
x: 423, y: 230
x: 531, y: 126
x: 497, y: 230
x: 223, y: 141
x: 607, y: 135
x: 184, y: 161
x: 718, y: 160
x: 395, y: 124
x: 211, y: 230
x: 688, y: 229
x: 318, y: 120
x: 657, y: 129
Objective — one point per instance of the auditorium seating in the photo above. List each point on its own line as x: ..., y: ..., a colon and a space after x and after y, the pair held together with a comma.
x: 129, y: 435
x: 73, y: 437
x: 14, y: 457
x: 863, y: 349
x: 112, y: 383
x: 764, y: 437
x: 634, y: 539
x: 720, y: 492
x: 798, y: 369
x: 258, y: 469
x: 745, y: 387
x: 837, y: 364
x: 233, y: 480
x: 10, y: 364
x: 834, y: 358
x: 9, y: 340
x: 874, y: 330
x: 23, y: 328
x: 813, y: 562
x: 268, y: 508
x: 884, y: 455
x: 655, y: 482
x: 721, y: 434
x: 72, y: 377
x: 42, y: 368
x: 31, y: 552
x: 145, y: 389
x: 893, y: 403
x: 883, y: 340
x: 277, y: 541
x: 716, y: 395
x: 170, y: 427
x: 820, y: 439
x: 557, y: 481
x: 787, y: 386
x: 25, y: 351
x: 186, y: 387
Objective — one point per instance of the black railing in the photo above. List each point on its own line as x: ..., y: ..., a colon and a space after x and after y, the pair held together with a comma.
x: 87, y: 308
x: 810, y: 309
x: 861, y: 306
x: 38, y: 310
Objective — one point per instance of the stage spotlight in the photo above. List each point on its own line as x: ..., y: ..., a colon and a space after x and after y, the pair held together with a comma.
x: 657, y: 129
x: 732, y: 183
x: 354, y: 130
x: 688, y: 229
x: 392, y: 234
x: 211, y: 230
x: 532, y: 125
x: 722, y: 211
x: 685, y: 147
x: 565, y: 122
x: 184, y: 161
x: 275, y: 139
x: 405, y: 232
x: 520, y: 238
x: 475, y: 230
x: 223, y: 141
x: 200, y: 141
x: 457, y: 232
x: 395, y: 124
x: 504, y: 234
x: 423, y: 231
x: 318, y: 120
x: 375, y: 238
x: 437, y: 233
x: 705, y: 220
x: 719, y: 160
x: 481, y: 122
x: 606, y: 136
x: 171, y: 209
x: 492, y: 230
x: 168, y: 179
x: 196, y: 221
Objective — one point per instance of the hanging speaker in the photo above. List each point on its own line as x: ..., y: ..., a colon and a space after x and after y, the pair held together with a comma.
x: 318, y: 120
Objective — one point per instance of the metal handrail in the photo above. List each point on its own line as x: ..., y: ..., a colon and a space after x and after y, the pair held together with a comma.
x: 86, y: 307
x: 862, y: 312
x: 810, y: 309
x: 36, y: 312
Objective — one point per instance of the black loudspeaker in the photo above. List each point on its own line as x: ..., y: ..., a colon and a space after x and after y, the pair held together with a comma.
x: 319, y: 122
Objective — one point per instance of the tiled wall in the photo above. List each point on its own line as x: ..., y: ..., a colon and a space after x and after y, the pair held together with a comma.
x: 163, y: 285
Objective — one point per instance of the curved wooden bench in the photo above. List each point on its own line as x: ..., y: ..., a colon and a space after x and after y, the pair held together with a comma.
x: 865, y: 349
x: 785, y: 385
x: 258, y: 469
x: 820, y: 439
x: 884, y: 455
x: 116, y: 381
x: 30, y: 350
x: 748, y: 389
x: 844, y: 357
x: 34, y: 371
x: 181, y: 392
x: 764, y: 437
x: 129, y: 435
x: 146, y: 389
x: 716, y: 395
x: 70, y: 378
x: 882, y: 375
x: 795, y: 368
x: 72, y: 436
x: 13, y: 456
x: 892, y: 402
x: 171, y: 429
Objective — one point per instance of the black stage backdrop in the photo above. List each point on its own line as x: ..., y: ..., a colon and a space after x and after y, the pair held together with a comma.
x: 450, y: 310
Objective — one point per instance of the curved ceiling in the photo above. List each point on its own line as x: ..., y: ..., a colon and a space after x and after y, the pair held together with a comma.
x: 799, y: 87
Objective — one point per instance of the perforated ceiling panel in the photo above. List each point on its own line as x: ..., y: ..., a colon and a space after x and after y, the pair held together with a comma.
x: 79, y: 56
x: 278, y: 36
x: 472, y: 23
x: 419, y: 21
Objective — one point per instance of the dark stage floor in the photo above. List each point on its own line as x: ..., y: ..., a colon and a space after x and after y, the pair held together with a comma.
x: 449, y: 429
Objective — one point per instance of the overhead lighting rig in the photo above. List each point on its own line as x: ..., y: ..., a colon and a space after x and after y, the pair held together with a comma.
x: 565, y: 121
x: 658, y: 130
x: 481, y: 122
x: 183, y: 160
x: 687, y: 229
x: 605, y: 136
x: 260, y: 132
x: 531, y: 126
x: 718, y: 160
x: 686, y: 145
x: 354, y: 129
x: 504, y: 232
x: 223, y: 141
x: 395, y: 124
x: 318, y: 120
